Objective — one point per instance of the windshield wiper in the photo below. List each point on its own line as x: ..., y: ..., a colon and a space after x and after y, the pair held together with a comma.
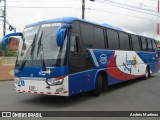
x: 40, y: 45
x: 24, y: 61
x: 27, y: 54
x: 33, y: 44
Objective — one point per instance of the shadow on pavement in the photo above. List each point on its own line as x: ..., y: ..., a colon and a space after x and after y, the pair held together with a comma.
x: 62, y: 102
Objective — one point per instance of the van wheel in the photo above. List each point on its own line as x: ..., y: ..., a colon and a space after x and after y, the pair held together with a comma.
x: 147, y: 73
x: 98, y: 86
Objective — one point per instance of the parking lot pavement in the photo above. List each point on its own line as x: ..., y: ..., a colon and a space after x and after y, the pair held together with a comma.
x: 135, y: 95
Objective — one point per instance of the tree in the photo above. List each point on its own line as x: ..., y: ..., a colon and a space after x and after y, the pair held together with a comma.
x: 0, y: 49
x: 158, y: 42
x: 8, y: 52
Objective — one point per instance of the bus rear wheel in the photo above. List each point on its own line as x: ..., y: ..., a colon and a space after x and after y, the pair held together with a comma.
x: 98, y: 86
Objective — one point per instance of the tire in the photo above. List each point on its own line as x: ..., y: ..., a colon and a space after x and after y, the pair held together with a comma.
x: 98, y: 86
x: 104, y: 84
x: 147, y: 73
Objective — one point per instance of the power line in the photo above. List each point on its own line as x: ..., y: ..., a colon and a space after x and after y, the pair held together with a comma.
x: 127, y: 8
x: 11, y: 19
x: 47, y: 1
x: 131, y: 6
x: 120, y: 14
x: 14, y: 26
x: 39, y: 7
x: 19, y: 27
x: 140, y: 3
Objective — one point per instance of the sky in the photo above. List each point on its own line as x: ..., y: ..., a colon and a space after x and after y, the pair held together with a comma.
x: 139, y: 16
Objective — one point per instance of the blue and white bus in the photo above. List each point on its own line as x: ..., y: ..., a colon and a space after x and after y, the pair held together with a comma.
x: 68, y: 56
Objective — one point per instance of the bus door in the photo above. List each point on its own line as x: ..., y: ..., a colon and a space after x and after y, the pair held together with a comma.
x: 78, y: 65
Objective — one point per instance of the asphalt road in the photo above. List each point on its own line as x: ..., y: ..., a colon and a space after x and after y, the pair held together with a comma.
x: 137, y: 95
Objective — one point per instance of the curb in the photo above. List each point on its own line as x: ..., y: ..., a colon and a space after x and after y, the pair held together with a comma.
x: 7, y: 80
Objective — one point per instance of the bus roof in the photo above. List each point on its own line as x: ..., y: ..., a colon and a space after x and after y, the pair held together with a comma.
x: 69, y: 20
x: 72, y: 19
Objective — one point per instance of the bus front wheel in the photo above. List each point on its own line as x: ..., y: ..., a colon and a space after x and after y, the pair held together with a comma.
x: 98, y: 86
x: 147, y: 73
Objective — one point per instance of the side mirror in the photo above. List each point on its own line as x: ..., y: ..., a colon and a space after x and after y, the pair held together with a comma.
x: 6, y: 37
x: 60, y: 34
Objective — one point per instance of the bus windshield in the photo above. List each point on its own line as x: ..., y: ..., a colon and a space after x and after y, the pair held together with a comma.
x: 40, y: 43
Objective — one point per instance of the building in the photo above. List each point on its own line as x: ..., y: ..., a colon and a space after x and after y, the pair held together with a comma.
x: 13, y: 43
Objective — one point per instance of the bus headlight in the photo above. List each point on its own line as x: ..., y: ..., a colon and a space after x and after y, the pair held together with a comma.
x: 17, y: 80
x: 53, y: 81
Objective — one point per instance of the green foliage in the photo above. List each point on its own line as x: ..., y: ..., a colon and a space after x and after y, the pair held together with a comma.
x: 9, y: 51
x: 0, y: 49
x: 158, y: 42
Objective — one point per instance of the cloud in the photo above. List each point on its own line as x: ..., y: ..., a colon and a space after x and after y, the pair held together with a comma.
x: 95, y: 11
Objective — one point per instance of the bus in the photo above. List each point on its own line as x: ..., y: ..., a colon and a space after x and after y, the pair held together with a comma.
x: 67, y: 56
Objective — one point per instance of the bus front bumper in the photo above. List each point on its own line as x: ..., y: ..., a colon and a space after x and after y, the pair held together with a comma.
x: 39, y: 86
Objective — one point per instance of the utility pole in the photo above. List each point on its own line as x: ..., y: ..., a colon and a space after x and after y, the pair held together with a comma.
x: 158, y: 26
x: 83, y: 8
x: 4, y: 20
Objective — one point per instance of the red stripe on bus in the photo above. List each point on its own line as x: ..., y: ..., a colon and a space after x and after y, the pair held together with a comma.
x: 48, y: 92
x: 65, y: 92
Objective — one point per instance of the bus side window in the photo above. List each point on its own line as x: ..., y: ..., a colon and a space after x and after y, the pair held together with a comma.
x: 135, y: 43
x: 74, y: 44
x: 154, y: 45
x: 144, y: 45
x: 124, y: 41
x: 98, y: 38
x: 113, y: 42
x: 149, y: 45
x: 87, y: 35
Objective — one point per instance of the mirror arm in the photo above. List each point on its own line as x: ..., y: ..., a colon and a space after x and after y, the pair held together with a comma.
x: 5, y: 38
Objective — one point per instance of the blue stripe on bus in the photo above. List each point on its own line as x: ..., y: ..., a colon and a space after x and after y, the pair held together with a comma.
x: 36, y: 72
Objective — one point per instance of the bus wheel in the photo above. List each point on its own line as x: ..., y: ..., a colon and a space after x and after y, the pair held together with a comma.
x: 98, y: 86
x: 147, y: 73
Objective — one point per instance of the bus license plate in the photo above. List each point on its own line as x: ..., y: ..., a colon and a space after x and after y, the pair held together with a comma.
x: 32, y: 88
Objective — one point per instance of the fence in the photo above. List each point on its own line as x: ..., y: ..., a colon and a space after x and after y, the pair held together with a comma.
x: 7, y: 68
x: 8, y: 60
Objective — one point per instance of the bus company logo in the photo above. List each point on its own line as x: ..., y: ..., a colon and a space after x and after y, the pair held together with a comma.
x: 128, y: 64
x: 43, y: 73
x: 103, y: 58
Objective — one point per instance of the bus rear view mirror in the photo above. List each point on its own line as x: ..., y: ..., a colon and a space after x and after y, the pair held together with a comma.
x: 61, y: 34
x: 6, y: 37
